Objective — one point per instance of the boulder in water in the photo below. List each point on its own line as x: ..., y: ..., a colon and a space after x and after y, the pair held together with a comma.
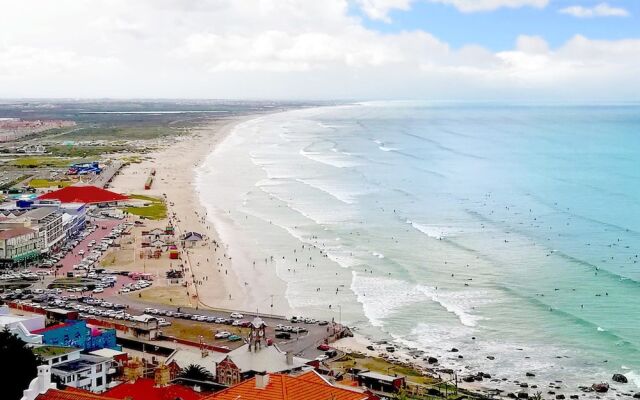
x: 530, y: 374
x: 619, y: 378
x: 600, y: 387
x: 432, y: 360
x: 559, y: 397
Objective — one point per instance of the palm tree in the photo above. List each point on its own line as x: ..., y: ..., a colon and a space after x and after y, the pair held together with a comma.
x: 196, y: 373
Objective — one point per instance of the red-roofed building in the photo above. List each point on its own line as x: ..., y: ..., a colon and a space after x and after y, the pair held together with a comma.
x: 146, y: 389
x: 308, y: 386
x: 84, y: 194
x: 71, y: 394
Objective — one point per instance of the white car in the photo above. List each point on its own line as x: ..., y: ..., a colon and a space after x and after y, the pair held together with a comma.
x: 81, y: 252
x: 222, y: 335
x: 98, y: 290
x: 236, y: 315
x: 322, y: 357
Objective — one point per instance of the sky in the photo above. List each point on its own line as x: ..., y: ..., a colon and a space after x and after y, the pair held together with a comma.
x: 547, y: 50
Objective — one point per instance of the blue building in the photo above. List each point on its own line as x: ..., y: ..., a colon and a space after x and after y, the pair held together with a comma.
x: 76, y: 333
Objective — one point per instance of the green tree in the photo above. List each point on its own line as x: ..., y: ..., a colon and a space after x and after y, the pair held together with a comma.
x: 196, y: 373
x: 18, y: 367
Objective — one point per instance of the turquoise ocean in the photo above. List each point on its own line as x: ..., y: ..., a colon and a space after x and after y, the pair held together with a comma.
x: 510, y: 231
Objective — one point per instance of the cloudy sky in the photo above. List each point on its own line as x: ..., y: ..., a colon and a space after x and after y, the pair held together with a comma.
x: 322, y: 49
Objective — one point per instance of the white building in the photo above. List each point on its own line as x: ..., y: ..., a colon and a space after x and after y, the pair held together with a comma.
x: 48, y: 222
x: 22, y: 325
x: 74, y: 369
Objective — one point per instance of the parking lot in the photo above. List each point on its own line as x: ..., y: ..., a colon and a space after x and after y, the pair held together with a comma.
x: 96, y: 293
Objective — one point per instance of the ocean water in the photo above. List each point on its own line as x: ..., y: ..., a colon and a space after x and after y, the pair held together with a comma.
x: 504, y: 231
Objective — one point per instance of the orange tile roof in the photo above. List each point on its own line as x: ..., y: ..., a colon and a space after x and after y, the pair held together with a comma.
x: 284, y: 387
x: 313, y: 377
x: 71, y: 394
x: 145, y: 389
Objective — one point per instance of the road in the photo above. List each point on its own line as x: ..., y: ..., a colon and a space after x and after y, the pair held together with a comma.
x: 107, y: 174
x: 305, y: 345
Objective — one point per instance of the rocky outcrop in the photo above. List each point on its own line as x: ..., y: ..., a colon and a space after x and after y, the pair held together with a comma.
x: 619, y: 378
x: 600, y: 387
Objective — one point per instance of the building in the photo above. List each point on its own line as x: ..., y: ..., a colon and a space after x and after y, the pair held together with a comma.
x: 156, y: 389
x: 240, y: 364
x: 48, y: 222
x: 84, y: 195
x: 381, y: 382
x: 190, y: 239
x: 22, y: 325
x: 77, y: 333
x: 74, y: 369
x: 145, y: 327
x: 18, y: 244
x: 74, y: 217
x: 308, y: 386
x: 40, y: 384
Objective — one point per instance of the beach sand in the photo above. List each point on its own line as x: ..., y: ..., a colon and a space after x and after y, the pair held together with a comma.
x: 218, y: 279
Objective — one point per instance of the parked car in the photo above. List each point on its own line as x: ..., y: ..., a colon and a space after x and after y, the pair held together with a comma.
x: 236, y: 315
x: 283, y: 335
x: 234, y: 338
x: 222, y: 335
x: 324, y: 347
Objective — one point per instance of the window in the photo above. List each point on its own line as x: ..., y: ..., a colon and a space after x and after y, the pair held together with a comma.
x: 99, y: 368
x: 99, y: 381
x: 64, y: 358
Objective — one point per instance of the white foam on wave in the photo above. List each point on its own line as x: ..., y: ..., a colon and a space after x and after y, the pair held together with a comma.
x: 633, y: 377
x: 387, y: 149
x: 342, y: 260
x: 380, y: 297
x: 459, y: 303
x: 343, y: 196
x: 379, y: 255
x: 334, y: 160
x: 387, y: 295
x: 435, y: 232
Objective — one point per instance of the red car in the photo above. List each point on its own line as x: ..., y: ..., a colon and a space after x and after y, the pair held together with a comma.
x: 324, y: 347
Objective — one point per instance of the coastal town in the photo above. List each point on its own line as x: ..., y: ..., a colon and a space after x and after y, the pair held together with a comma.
x: 121, y: 288
x: 106, y: 279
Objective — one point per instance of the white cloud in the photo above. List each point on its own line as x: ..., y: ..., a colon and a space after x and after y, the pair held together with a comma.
x: 379, y: 9
x: 490, y: 5
x: 280, y: 49
x: 600, y: 10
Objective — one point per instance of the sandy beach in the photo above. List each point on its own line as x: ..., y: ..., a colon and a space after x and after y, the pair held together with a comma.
x: 219, y: 280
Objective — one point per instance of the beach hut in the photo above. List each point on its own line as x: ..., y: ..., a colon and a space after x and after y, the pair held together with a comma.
x: 174, y: 253
x: 190, y: 239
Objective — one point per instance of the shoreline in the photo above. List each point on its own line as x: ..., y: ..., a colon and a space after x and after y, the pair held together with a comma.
x: 177, y: 176
x: 216, y: 279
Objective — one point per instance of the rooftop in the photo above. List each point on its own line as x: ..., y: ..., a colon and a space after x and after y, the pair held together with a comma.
x: 109, y: 353
x: 83, y: 194
x: 53, y: 351
x: 71, y: 394
x: 39, y: 213
x: 145, y: 389
x: 285, y: 387
x: 83, y: 363
x: 268, y: 359
x: 15, y: 232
